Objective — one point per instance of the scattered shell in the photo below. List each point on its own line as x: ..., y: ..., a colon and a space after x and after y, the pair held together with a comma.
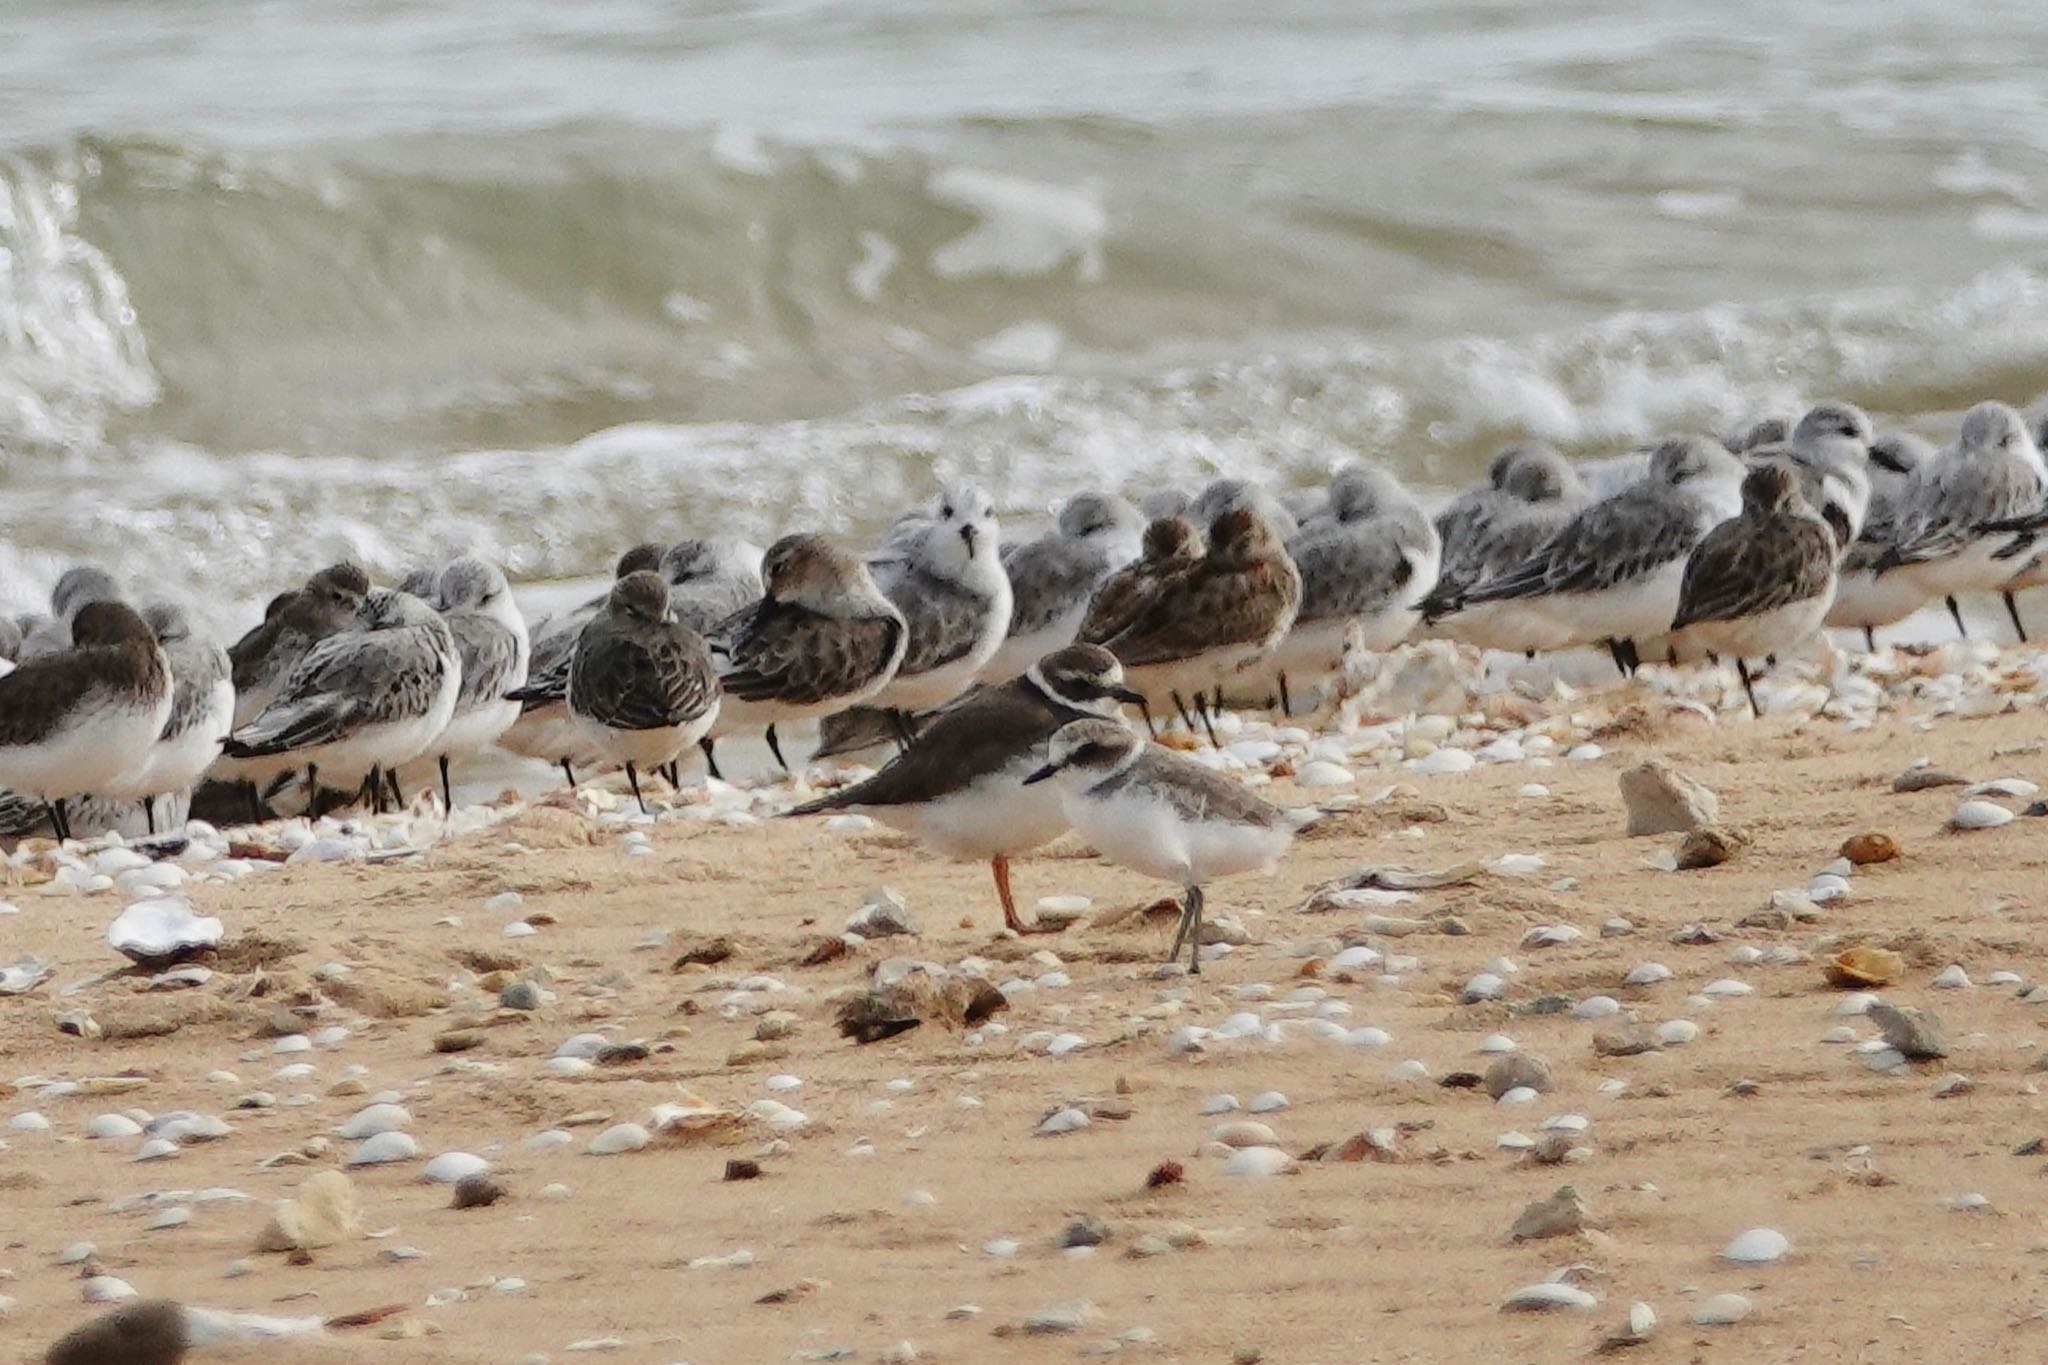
x: 1596, y: 1007
x: 1646, y: 974
x: 325, y: 1211
x: 1515, y: 1071
x: 1862, y: 967
x: 1548, y: 1297
x: 1873, y: 847
x: 1677, y: 1032
x: 384, y: 1149
x: 25, y: 974
x: 1721, y: 1310
x: 162, y: 931
x: 620, y: 1137
x: 1951, y: 978
x: 1758, y: 1246
x: 1980, y: 814
x: 1257, y: 1163
x: 450, y: 1167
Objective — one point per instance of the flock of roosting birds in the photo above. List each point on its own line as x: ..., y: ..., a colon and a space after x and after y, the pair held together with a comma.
x: 994, y: 668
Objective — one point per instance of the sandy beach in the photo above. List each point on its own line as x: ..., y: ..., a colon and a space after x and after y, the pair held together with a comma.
x: 915, y: 1204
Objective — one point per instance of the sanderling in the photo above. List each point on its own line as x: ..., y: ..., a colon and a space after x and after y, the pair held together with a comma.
x: 821, y: 639
x: 1053, y: 577
x: 82, y: 718
x: 1365, y: 567
x: 490, y: 641
x: 2028, y: 550
x: 709, y: 580
x: 1530, y: 493
x: 1761, y: 581
x: 1162, y: 503
x: 1214, y: 616
x: 202, y: 712
x: 1758, y: 431
x: 1613, y: 571
x: 641, y: 684
x: 1829, y: 449
x: 76, y: 586
x: 1864, y: 599
x: 363, y: 702
x: 1162, y: 814
x: 959, y: 787
x: 1228, y: 495
x: 1993, y: 473
x: 545, y: 730
x: 948, y: 582
x: 1170, y: 544
x: 293, y: 623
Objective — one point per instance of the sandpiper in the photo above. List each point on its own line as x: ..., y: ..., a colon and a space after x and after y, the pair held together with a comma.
x: 1162, y: 814
x: 821, y: 639
x: 1864, y: 599
x: 1531, y: 491
x: 202, y: 712
x: 545, y: 730
x: 490, y: 640
x: 710, y: 579
x: 959, y: 787
x: 83, y: 718
x: 946, y: 577
x: 1213, y: 617
x: 1760, y: 582
x: 641, y: 685
x: 1053, y: 577
x: 1170, y: 544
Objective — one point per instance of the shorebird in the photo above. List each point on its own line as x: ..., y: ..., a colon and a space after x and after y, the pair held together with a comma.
x: 947, y: 579
x: 1053, y: 577
x: 545, y: 730
x: 1212, y: 617
x: 1230, y: 495
x: 1161, y: 814
x: 1614, y: 570
x: 1531, y: 491
x: 641, y: 685
x: 202, y: 712
x: 821, y: 639
x: 1829, y: 449
x: 1365, y: 564
x: 1170, y: 544
x: 1864, y: 600
x: 709, y: 580
x: 959, y: 787
x: 83, y: 718
x: 362, y: 702
x: 490, y: 641
x: 261, y: 660
x: 76, y: 586
x: 1760, y: 582
x: 1992, y: 474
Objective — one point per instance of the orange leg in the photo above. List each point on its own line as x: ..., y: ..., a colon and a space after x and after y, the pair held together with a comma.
x: 1000, y: 865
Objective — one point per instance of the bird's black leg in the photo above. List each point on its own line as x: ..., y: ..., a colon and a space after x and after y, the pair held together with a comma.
x: 447, y: 789
x: 1614, y: 652
x: 1286, y: 702
x: 255, y: 803
x: 2012, y: 609
x: 375, y: 782
x: 1628, y: 652
x: 775, y: 747
x: 313, y: 791
x: 59, y: 821
x: 1955, y: 612
x: 1869, y: 640
x: 1209, y: 726
x: 1185, y: 718
x: 633, y: 778
x: 397, y: 796
x: 1742, y: 671
x: 710, y: 757
x: 149, y: 813
x: 568, y: 774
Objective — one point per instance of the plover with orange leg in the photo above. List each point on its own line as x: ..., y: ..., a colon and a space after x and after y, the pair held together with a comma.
x: 641, y: 685
x: 1366, y: 564
x: 1759, y: 583
x: 1162, y: 814
x: 1613, y: 572
x: 821, y: 639
x: 490, y: 640
x: 545, y: 730
x: 946, y: 576
x: 83, y: 718
x: 1213, y: 617
x: 362, y: 703
x: 1992, y: 473
x: 1864, y: 599
x: 959, y: 787
x: 1053, y: 577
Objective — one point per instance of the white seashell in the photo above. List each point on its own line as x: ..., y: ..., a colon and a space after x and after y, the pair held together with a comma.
x: 1060, y: 1121
x: 1267, y: 1102
x: 2003, y: 979
x: 1967, y: 1203
x: 25, y: 975
x: 1642, y: 1319
x: 1520, y: 1094
x: 1220, y: 1104
x: 1854, y: 1004
x: 1745, y: 955
x: 1512, y: 1141
x: 1547, y: 1297
x: 553, y: 1140
x: 1721, y: 1310
x: 2016, y: 788
x: 782, y: 1084
x: 778, y: 1115
x: 1351, y: 959
x: 584, y: 1045
x: 1677, y: 1032
x: 1976, y: 814
x: 519, y: 928
x: 1522, y: 865
x: 1584, y: 753
x: 1497, y: 1042
x: 450, y: 1167
x: 1567, y: 1123
x: 292, y: 1043
x: 1758, y: 1246
x: 619, y: 1138
x: 1444, y: 762
x: 377, y: 1118
x: 76, y: 1254
x: 112, y: 1127
x: 1484, y: 986
x: 1827, y: 889
x: 1408, y: 1071
x: 1368, y: 1037
x: 1839, y: 1034
x: 1646, y: 974
x: 1324, y: 774
x: 385, y: 1148
x: 161, y: 931
x: 1532, y: 791
x: 1596, y: 1007
x: 1727, y: 988
x: 1064, y: 1043
x: 157, y: 1149
x: 1257, y: 1163
x: 107, y: 1289
x: 1951, y: 978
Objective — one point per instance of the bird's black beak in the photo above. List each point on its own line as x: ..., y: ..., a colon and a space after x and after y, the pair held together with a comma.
x: 969, y: 534
x: 1043, y: 773
x: 1838, y: 522
x: 1128, y: 696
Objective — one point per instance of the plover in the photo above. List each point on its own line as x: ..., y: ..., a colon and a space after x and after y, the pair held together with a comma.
x: 202, y: 712
x: 1530, y: 492
x: 545, y: 730
x: 1213, y: 617
x: 1864, y: 599
x: 1170, y: 544
x: 83, y: 718
x: 959, y: 787
x: 1992, y: 474
x: 1760, y: 582
x: 1613, y: 571
x: 955, y: 598
x: 1365, y: 568
x: 1162, y: 815
x: 821, y: 639
x: 641, y: 685
x: 490, y: 641
x: 362, y: 703
x: 1053, y: 577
